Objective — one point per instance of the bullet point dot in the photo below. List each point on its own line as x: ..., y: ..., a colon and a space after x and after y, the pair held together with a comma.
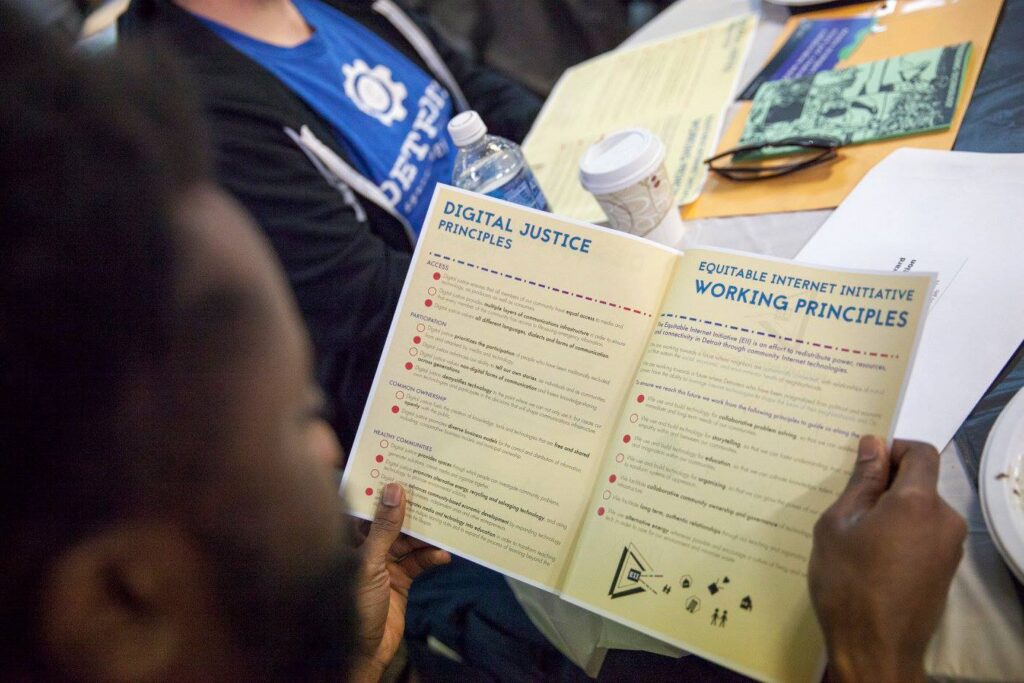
x: 600, y: 512
x: 379, y: 458
x: 394, y: 409
x: 437, y: 276
x: 374, y: 474
x: 619, y: 457
x: 432, y: 291
x: 428, y: 303
x: 640, y: 398
x: 612, y: 479
x: 413, y: 351
x: 399, y: 395
x: 369, y: 491
x: 421, y: 328
x: 627, y: 438
x: 408, y: 366
x: 634, y: 418
x: 384, y: 443
x: 417, y: 340
x: 607, y: 494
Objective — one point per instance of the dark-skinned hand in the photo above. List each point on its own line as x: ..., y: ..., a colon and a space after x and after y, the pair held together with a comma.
x: 391, y: 561
x: 883, y: 558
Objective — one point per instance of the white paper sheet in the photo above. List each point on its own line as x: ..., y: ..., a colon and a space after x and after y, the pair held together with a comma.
x: 958, y: 214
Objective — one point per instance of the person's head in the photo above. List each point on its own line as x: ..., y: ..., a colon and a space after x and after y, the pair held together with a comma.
x: 167, y: 507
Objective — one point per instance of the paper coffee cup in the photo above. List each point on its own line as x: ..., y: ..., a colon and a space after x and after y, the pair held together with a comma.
x: 626, y: 174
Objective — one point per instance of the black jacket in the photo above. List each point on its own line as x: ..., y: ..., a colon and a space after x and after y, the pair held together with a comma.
x: 345, y: 253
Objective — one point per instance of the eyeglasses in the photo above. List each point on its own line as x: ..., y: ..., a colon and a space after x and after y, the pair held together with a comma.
x: 803, y: 153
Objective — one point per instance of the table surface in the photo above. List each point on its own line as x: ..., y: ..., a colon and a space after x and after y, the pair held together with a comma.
x: 981, y: 635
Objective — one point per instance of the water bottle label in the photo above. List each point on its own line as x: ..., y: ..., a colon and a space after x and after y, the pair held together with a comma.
x: 523, y: 190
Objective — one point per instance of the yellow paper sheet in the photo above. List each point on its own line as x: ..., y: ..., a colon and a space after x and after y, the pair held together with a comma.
x: 746, y: 432
x: 903, y: 26
x: 611, y: 419
x: 678, y: 88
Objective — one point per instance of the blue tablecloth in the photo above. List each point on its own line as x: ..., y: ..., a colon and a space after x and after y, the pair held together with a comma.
x: 995, y: 118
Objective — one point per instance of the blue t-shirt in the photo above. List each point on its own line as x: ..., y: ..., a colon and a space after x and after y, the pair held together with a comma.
x: 389, y: 116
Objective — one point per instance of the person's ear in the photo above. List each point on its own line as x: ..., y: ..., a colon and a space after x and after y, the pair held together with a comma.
x: 132, y: 603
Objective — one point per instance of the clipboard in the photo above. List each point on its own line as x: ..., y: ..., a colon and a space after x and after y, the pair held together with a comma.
x: 901, y: 26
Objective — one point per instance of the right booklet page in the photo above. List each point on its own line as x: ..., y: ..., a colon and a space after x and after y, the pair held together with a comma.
x: 742, y: 427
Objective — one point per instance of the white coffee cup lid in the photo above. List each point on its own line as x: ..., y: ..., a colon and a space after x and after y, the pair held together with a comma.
x: 619, y: 160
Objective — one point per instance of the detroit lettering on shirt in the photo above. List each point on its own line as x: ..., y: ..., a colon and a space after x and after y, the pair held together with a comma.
x: 389, y: 116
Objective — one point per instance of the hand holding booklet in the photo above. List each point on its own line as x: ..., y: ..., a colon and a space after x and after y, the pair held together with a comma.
x: 649, y: 433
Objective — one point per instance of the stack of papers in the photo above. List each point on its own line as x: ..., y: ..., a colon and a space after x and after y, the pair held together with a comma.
x: 957, y: 214
x: 678, y: 88
x: 901, y: 28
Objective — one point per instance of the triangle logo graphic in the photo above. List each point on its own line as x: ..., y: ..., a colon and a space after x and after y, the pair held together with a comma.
x: 630, y: 574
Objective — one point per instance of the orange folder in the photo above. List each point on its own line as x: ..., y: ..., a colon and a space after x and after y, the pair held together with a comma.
x: 902, y: 26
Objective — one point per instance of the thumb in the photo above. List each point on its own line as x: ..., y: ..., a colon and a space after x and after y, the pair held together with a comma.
x: 387, y: 524
x: 868, y: 481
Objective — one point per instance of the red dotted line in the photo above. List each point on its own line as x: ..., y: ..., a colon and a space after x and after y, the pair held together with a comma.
x: 759, y: 333
x: 507, y: 276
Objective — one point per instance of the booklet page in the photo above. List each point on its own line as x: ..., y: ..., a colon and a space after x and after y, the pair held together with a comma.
x: 516, y: 338
x: 740, y: 429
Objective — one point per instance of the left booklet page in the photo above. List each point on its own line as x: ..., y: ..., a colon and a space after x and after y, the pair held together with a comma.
x: 515, y: 340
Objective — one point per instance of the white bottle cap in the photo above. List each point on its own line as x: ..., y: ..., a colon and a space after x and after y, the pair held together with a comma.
x: 466, y: 128
x: 620, y: 160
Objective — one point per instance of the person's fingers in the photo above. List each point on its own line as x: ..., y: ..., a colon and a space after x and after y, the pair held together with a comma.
x: 900, y: 448
x: 868, y: 481
x: 419, y: 561
x: 387, y: 524
x: 405, y: 545
x: 918, y: 467
x: 360, y: 528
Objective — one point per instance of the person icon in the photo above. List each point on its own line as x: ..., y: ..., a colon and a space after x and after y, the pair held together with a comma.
x: 725, y: 615
x: 714, y: 618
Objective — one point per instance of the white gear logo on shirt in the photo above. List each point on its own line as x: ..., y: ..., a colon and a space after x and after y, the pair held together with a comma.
x: 373, y: 91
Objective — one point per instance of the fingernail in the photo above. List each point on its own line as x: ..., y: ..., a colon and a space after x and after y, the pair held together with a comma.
x: 392, y: 495
x: 869, y: 448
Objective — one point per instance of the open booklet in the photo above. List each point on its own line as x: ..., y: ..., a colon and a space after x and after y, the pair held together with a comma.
x: 651, y: 434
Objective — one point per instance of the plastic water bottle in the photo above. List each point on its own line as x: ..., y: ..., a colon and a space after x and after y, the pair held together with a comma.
x: 492, y: 165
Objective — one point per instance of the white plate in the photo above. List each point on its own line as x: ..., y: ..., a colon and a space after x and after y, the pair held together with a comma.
x: 1004, y: 509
